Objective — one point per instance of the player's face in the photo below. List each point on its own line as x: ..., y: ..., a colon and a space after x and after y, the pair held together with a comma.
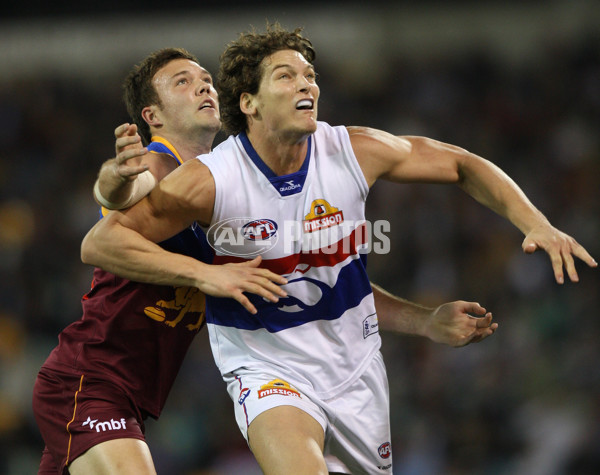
x: 189, y: 99
x: 288, y: 93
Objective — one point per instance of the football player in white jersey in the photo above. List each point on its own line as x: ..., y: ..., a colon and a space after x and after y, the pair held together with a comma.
x: 116, y: 187
x: 269, y: 94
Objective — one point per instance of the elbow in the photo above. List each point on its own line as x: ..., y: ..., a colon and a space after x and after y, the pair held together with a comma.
x: 94, y: 243
x: 86, y: 251
x: 91, y: 245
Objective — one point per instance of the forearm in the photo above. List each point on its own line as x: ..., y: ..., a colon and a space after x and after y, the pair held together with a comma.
x: 433, y: 161
x: 136, y: 258
x: 489, y: 185
x: 457, y: 323
x: 140, y: 260
x: 399, y: 315
x: 493, y: 188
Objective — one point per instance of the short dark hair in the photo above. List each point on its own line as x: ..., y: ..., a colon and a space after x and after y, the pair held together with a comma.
x: 138, y: 91
x: 240, y: 70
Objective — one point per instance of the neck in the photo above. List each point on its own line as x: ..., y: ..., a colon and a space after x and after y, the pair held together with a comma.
x: 187, y: 148
x: 283, y: 155
x: 188, y: 151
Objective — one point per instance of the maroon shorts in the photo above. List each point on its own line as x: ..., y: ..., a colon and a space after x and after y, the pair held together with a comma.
x: 75, y: 414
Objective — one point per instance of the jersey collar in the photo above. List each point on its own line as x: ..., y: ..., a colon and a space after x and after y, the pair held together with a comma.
x: 285, y: 185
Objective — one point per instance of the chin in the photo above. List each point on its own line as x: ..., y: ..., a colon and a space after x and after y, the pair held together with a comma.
x: 308, y: 130
x: 311, y: 125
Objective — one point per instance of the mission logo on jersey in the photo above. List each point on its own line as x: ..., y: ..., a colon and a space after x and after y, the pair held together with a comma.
x: 322, y: 215
x: 277, y: 386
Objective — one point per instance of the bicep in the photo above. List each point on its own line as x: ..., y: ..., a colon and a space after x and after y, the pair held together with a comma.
x: 404, y: 159
x: 184, y: 196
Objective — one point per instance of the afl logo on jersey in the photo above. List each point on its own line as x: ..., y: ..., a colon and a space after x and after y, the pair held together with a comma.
x: 259, y: 230
x: 385, y: 450
x: 243, y: 237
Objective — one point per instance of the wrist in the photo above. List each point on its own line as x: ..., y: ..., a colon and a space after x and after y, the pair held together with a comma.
x: 424, y: 325
x: 136, y: 190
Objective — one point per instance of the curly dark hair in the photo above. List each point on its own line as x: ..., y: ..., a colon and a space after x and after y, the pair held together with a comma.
x: 138, y: 91
x: 240, y: 68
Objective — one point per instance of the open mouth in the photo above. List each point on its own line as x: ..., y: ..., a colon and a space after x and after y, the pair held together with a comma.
x: 305, y: 104
x: 207, y: 105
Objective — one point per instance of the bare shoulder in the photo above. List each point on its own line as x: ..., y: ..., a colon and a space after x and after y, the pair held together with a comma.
x: 368, y: 136
x: 377, y: 151
x: 160, y: 164
x: 192, y: 174
x: 190, y: 187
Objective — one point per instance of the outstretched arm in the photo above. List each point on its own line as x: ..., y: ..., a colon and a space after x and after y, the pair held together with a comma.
x: 123, y: 242
x: 452, y: 323
x: 419, y: 159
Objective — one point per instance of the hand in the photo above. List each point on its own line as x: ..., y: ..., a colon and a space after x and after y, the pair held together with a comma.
x: 452, y: 324
x: 129, y: 150
x: 232, y: 280
x: 560, y: 247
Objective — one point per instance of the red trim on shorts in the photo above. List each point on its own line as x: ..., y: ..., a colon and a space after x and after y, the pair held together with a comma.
x: 69, y: 423
x: 243, y: 405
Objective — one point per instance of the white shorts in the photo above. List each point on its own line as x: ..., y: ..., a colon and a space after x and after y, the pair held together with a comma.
x: 356, y: 422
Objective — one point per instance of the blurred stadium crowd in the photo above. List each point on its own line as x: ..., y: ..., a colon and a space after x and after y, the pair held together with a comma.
x: 526, y: 401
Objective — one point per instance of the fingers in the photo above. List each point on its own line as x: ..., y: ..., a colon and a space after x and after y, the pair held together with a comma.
x: 267, y: 290
x: 474, y: 307
x: 275, y: 278
x: 253, y: 263
x: 125, y: 129
x: 260, y: 272
x: 129, y: 147
x: 484, y: 329
x: 121, y: 130
x: 529, y: 248
x: 245, y: 277
x: 568, y: 250
x: 562, y: 249
x: 126, y: 140
x: 580, y: 252
x: 557, y: 265
x: 484, y: 322
x: 569, y: 264
x: 483, y: 334
x: 129, y: 143
x: 245, y: 301
x: 126, y: 155
x: 563, y: 261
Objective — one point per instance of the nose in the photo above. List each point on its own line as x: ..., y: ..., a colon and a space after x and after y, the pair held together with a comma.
x: 203, y: 88
x: 303, y: 84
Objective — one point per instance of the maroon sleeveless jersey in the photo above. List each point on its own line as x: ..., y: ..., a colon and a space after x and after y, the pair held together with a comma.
x: 135, y: 335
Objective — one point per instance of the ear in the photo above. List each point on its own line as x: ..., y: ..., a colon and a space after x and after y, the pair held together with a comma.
x: 247, y: 104
x: 151, y: 117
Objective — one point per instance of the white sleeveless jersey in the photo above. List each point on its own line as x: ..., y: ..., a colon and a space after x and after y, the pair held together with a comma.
x: 310, y: 227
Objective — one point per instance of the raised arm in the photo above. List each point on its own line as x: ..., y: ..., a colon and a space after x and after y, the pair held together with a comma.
x: 123, y: 242
x: 124, y: 180
x: 455, y: 323
x: 419, y: 159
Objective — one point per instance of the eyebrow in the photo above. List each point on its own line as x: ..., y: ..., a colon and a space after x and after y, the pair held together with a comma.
x: 286, y: 65
x: 186, y: 71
